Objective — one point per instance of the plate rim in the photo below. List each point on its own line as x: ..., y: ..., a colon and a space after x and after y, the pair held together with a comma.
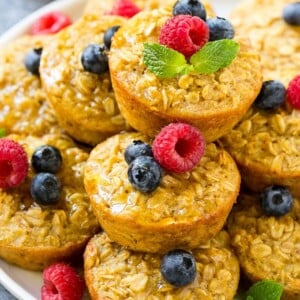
x: 13, y: 287
x: 21, y: 27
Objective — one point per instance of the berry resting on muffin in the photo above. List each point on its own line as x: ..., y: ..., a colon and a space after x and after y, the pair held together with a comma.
x: 178, y: 267
x: 178, y: 147
x: 50, y: 23
x: 32, y: 61
x: 271, y: 96
x: 276, y: 200
x: 124, y: 8
x: 293, y: 92
x: 13, y: 163
x: 184, y: 47
x: 189, y: 7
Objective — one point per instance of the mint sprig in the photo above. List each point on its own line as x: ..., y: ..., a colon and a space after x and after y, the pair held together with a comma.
x: 167, y: 63
x: 164, y: 62
x: 263, y: 290
x: 214, y: 56
x: 2, y: 132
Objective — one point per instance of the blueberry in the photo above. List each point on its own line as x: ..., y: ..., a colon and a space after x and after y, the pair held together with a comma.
x: 219, y: 29
x: 46, y: 158
x: 109, y: 33
x: 189, y: 7
x: 178, y: 267
x: 291, y: 14
x: 271, y: 96
x: 276, y: 200
x: 32, y: 61
x: 137, y: 148
x: 45, y: 188
x: 94, y: 59
x: 144, y: 173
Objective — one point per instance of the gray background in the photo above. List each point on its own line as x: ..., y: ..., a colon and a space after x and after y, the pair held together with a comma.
x: 12, y: 11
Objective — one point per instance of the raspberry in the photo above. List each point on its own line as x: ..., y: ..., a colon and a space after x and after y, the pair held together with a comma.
x: 185, y: 34
x: 61, y: 282
x: 293, y: 92
x: 124, y: 8
x: 13, y: 163
x: 178, y: 147
x: 50, y: 23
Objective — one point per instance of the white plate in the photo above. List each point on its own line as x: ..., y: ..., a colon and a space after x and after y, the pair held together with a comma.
x: 26, y: 285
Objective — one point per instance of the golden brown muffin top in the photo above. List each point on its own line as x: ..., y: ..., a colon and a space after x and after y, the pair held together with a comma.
x: 185, y: 95
x: 268, y: 139
x: 113, y: 272
x: 277, y: 42
x: 199, y: 193
x: 84, y: 97
x: 23, y: 105
x: 267, y: 246
x: 23, y: 222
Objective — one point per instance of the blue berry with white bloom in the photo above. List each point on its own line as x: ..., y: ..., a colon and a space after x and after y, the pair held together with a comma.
x: 291, y: 14
x: 178, y: 267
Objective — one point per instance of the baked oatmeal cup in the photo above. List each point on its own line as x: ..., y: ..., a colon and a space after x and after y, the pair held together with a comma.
x: 114, y: 272
x: 103, y: 7
x: 277, y: 42
x: 267, y: 247
x: 33, y: 235
x: 213, y: 103
x: 185, y: 209
x: 23, y: 106
x: 84, y: 102
x: 265, y: 146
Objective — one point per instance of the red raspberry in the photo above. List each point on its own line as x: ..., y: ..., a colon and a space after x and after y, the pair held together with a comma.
x: 293, y: 92
x: 61, y: 282
x: 50, y: 23
x: 13, y: 163
x: 178, y: 147
x: 185, y: 34
x: 124, y: 8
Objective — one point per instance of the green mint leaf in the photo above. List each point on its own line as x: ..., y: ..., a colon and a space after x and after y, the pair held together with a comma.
x: 2, y: 132
x: 214, y: 56
x: 265, y: 290
x: 164, y: 62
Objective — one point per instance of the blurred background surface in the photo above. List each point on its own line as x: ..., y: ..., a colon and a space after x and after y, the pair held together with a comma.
x: 12, y: 11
